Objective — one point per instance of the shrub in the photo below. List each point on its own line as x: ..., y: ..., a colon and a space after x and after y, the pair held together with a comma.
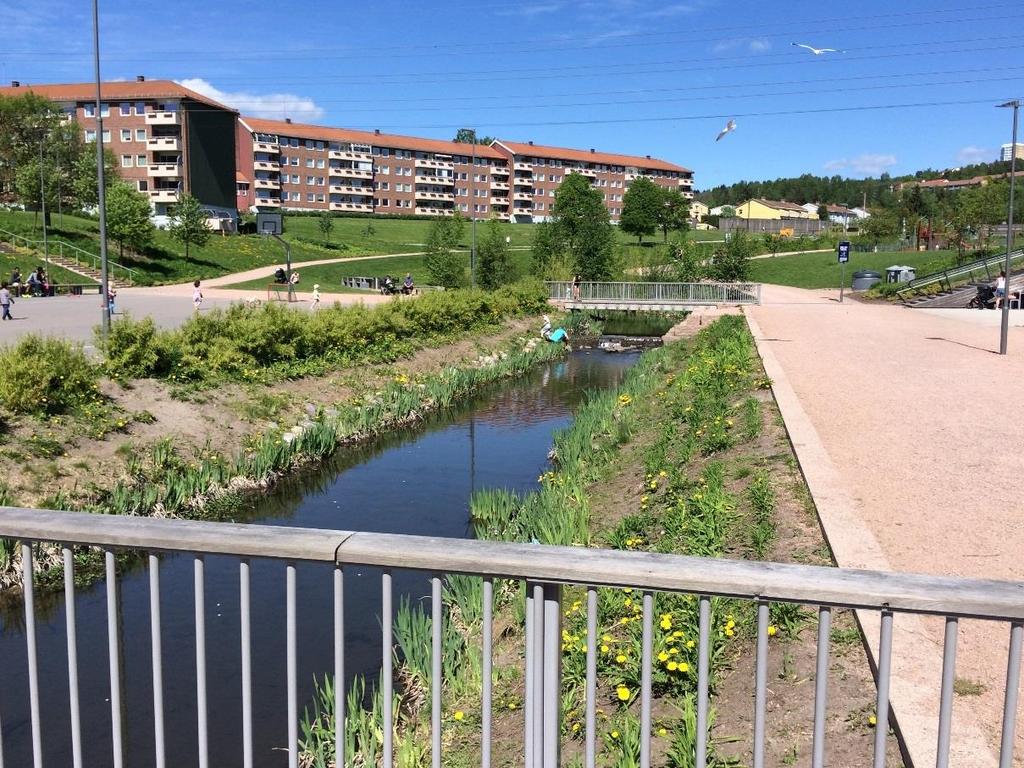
x: 45, y: 376
x: 131, y: 348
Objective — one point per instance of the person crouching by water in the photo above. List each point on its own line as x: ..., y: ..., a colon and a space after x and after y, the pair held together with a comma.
x: 556, y: 335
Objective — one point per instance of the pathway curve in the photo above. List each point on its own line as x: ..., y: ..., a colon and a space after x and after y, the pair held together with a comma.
x: 910, y: 431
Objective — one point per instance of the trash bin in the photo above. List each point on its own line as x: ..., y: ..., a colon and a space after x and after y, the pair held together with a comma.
x: 864, y: 279
x: 898, y: 274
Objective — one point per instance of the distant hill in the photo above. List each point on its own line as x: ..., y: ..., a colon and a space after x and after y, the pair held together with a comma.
x: 808, y: 188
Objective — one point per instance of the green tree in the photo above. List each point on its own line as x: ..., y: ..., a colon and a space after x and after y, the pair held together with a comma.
x: 189, y: 226
x: 445, y: 267
x: 881, y: 225
x: 685, y: 261
x: 128, y: 219
x: 823, y: 212
x: 731, y: 261
x: 468, y: 136
x: 581, y: 229
x: 85, y: 192
x: 673, y: 213
x: 493, y: 260
x: 727, y: 212
x: 772, y: 242
x: 326, y: 224
x: 640, y: 208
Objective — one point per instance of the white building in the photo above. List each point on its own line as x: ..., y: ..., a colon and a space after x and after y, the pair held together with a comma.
x: 1004, y: 151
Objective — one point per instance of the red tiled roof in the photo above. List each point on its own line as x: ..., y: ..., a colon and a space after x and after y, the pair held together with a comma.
x: 394, y: 141
x: 114, y: 91
x: 584, y: 156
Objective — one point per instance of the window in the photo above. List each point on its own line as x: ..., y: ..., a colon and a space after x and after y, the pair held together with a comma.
x: 319, y: 181
x: 382, y: 169
x: 106, y: 136
x: 140, y: 134
x: 310, y: 143
x: 294, y: 161
x: 295, y: 180
x: 104, y: 110
x: 243, y: 191
x: 90, y: 137
x: 309, y: 162
x: 321, y: 163
x: 320, y: 146
x: 126, y: 134
x: 381, y: 202
x: 320, y: 198
x: 292, y: 143
x: 539, y: 206
x: 140, y: 161
x: 385, y: 185
x: 127, y: 161
x: 140, y: 108
x: 126, y: 108
x: 310, y: 197
x: 144, y: 185
x: 89, y: 110
x: 296, y: 197
x: 309, y: 180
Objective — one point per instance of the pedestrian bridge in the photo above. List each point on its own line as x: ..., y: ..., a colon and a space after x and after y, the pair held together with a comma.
x: 652, y: 297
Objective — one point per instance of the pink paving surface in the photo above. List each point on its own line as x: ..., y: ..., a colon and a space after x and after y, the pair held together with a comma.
x: 923, y: 425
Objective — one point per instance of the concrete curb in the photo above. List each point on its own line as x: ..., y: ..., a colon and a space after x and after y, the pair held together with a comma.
x: 917, y: 657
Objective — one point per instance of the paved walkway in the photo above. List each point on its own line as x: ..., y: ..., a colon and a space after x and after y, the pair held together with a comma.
x: 910, y: 431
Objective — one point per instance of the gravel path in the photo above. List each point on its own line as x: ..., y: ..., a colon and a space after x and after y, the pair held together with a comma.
x: 923, y: 424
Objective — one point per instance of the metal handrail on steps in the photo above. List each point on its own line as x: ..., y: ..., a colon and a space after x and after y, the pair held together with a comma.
x: 77, y: 253
x: 947, y: 276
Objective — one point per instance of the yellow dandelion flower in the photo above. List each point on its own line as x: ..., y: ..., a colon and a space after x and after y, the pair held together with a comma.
x: 663, y: 656
x: 672, y: 666
x: 459, y: 715
x: 621, y: 658
x: 622, y: 692
x: 772, y: 630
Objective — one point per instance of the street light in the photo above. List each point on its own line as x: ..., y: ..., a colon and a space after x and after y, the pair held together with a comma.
x: 1005, y: 325
x: 42, y: 195
x: 472, y: 194
x: 101, y: 197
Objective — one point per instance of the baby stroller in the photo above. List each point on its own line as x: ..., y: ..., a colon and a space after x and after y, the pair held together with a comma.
x: 388, y: 287
x: 984, y: 299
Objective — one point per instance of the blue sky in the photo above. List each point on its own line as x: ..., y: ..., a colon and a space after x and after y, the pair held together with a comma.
x: 657, y: 78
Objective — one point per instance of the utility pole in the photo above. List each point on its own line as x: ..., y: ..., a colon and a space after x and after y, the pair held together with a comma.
x: 1005, y: 324
x: 472, y: 224
x: 101, y: 197
x: 42, y: 198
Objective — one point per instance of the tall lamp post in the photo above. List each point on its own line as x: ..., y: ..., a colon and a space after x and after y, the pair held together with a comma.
x: 101, y: 198
x: 42, y: 196
x: 1005, y: 325
x: 472, y: 186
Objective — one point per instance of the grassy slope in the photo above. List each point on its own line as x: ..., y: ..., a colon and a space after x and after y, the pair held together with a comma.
x: 821, y: 270
x: 28, y: 262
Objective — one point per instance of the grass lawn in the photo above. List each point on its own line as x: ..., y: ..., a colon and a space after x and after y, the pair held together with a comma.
x: 821, y: 270
x: 28, y: 262
x: 329, y: 276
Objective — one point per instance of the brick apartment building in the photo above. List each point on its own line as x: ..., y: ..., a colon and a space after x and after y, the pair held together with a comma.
x: 166, y: 139
x: 293, y: 166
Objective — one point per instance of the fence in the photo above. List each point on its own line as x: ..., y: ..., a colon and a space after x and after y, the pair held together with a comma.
x: 657, y: 293
x: 545, y: 570
x: 986, y: 269
x: 774, y: 226
x: 70, y: 253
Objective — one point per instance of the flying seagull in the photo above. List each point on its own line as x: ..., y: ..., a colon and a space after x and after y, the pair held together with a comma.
x: 729, y: 128
x: 817, y: 51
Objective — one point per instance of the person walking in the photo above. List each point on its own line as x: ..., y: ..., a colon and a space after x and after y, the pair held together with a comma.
x: 197, y: 296
x: 6, y: 300
x: 316, y: 298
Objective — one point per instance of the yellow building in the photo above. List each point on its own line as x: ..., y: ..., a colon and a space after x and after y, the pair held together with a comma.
x: 698, y: 210
x: 772, y: 210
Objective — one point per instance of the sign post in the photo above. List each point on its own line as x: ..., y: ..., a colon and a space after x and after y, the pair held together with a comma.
x: 844, y: 256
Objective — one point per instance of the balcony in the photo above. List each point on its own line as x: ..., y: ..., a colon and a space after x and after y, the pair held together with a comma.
x: 265, y: 146
x: 164, y: 171
x: 523, y: 167
x: 266, y: 183
x: 164, y: 144
x: 500, y: 170
x: 349, y: 173
x: 446, y: 181
x: 268, y: 202
x: 430, y: 195
x: 503, y: 185
x: 345, y: 189
x: 586, y: 172
x: 266, y: 165
x: 163, y: 118
x: 499, y: 201
x: 446, y: 164
x: 163, y: 195
x: 346, y: 154
x: 426, y: 210
x: 527, y: 196
x: 353, y: 207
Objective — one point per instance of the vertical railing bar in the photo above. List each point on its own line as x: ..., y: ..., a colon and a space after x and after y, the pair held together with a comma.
x: 704, y: 639
x: 646, y: 654
x: 201, y: 713
x: 882, y: 703
x: 157, y: 661
x: 114, y: 657
x: 538, y: 675
x: 245, y: 604
x: 435, y: 671
x: 592, y: 645
x: 339, y: 666
x: 529, y: 693
x: 72, y: 638
x: 28, y: 588
x: 387, y: 756
x: 946, y: 697
x: 486, y: 670
x: 760, y: 683
x: 293, y: 668
x: 1012, y: 693
x: 821, y: 686
x: 552, y: 676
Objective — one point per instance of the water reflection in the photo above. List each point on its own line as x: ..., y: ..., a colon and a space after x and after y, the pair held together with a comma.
x: 413, y: 481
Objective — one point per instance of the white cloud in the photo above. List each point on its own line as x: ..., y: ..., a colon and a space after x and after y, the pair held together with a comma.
x: 866, y: 164
x: 269, y: 105
x: 531, y: 10
x: 971, y: 154
x: 754, y: 45
x: 759, y: 46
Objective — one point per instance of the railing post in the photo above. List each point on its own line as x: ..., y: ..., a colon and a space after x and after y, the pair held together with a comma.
x: 551, y: 696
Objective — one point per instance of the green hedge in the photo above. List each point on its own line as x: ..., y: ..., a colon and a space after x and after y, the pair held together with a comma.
x: 44, y: 376
x: 273, y: 341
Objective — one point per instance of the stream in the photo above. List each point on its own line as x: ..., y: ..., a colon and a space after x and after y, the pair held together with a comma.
x: 416, y: 481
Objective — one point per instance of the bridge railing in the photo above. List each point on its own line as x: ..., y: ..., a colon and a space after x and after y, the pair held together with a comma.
x: 329, y: 555
x: 69, y: 252
x: 657, y: 293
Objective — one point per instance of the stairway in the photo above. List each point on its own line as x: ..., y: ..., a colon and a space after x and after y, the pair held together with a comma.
x: 961, y: 295
x: 84, y: 271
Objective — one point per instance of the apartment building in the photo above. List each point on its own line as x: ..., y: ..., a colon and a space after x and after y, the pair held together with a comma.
x: 165, y: 138
x: 537, y: 171
x: 293, y: 166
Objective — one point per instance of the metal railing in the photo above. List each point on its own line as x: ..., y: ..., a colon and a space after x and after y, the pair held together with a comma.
x: 682, y: 294
x: 988, y: 267
x: 545, y: 569
x: 54, y: 248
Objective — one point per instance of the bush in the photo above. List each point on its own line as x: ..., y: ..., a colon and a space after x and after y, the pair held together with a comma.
x: 45, y: 376
x: 131, y: 348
